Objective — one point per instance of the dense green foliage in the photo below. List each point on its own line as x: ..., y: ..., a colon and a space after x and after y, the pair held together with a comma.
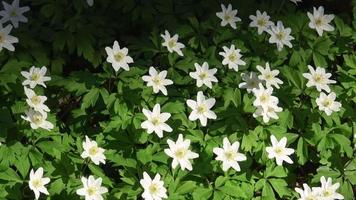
x: 87, y: 97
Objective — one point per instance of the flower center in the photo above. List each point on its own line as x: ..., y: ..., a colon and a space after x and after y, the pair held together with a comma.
x: 230, y: 155
x: 327, y: 103
x: 36, y: 100
x: 327, y: 193
x: 37, y: 183
x: 180, y: 153
x: 201, y: 109
x: 203, y: 75
x: 93, y: 150
x: 35, y: 76
x: 268, y: 76
x: 156, y: 80
x: 318, y: 78
x: 119, y: 56
x: 153, y: 188
x: 91, y: 191
x: 155, y: 121
x: 171, y: 43
x: 261, y: 22
x: 232, y: 57
x: 227, y: 17
x: 318, y: 21
x: 37, y: 119
x: 13, y: 13
x: 280, y: 36
x: 278, y: 150
x: 264, y: 98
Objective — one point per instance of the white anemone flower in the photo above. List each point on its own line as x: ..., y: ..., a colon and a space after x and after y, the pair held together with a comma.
x: 37, y: 119
x: 279, y: 151
x: 203, y: 75
x: 232, y: 57
x: 157, y: 80
x: 260, y: 21
x: 36, y: 76
x: 180, y: 153
x: 92, y: 151
x: 318, y: 78
x: 35, y: 101
x: 280, y: 36
x: 328, y: 191
x: 201, y: 109
x: 327, y: 103
x: 228, y: 16
x: 92, y: 189
x: 37, y: 182
x: 7, y: 40
x: 319, y: 21
x: 156, y: 121
x: 153, y: 188
x: 13, y: 13
x: 172, y: 43
x: 251, y: 81
x: 118, y: 57
x: 268, y: 76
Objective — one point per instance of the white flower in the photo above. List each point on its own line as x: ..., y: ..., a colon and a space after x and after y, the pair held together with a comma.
x: 118, y: 57
x: 157, y: 80
x: 327, y: 103
x: 318, y: 78
x: 153, y: 189
x: 261, y: 22
x: 13, y: 13
x: 35, y: 76
x: 319, y: 21
x: 232, y: 57
x: 201, y: 109
x: 251, y: 81
x: 229, y: 155
x: 36, y: 102
x: 37, y: 119
x: 264, y: 97
x: 327, y: 190
x: 91, y: 150
x: 180, y: 153
x: 156, y: 121
x: 172, y: 43
x: 307, y: 193
x: 90, y: 2
x: 280, y: 36
x: 37, y: 182
x: 296, y: 1
x: 92, y: 189
x: 204, y: 75
x: 268, y: 76
x: 279, y: 150
x: 6, y: 40
x: 228, y: 16
x: 268, y: 112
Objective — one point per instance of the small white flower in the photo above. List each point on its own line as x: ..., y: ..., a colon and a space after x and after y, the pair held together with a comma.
x: 232, y: 57
x: 318, y: 78
x: 264, y: 97
x: 307, y: 193
x: 118, y: 57
x: 156, y: 121
x: 327, y: 103
x: 279, y: 150
x: 229, y: 155
x: 157, y: 80
x: 37, y: 119
x: 280, y: 36
x: 204, y: 75
x: 228, y: 16
x: 296, y: 1
x: 172, y: 43
x: 90, y: 2
x: 36, y: 76
x: 261, y: 22
x: 180, y: 153
x: 319, y: 21
x: 37, y: 182
x: 153, y: 189
x: 92, y: 189
x: 91, y: 150
x: 36, y: 102
x: 6, y: 40
x: 13, y: 13
x: 268, y: 112
x: 251, y: 81
x: 201, y: 109
x: 268, y: 76
x: 327, y: 190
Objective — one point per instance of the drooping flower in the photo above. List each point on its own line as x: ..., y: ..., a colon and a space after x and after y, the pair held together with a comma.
x: 204, y: 75
x: 157, y: 80
x: 37, y: 182
x: 92, y: 151
x: 36, y: 76
x: 7, y: 40
x: 318, y: 78
x: 118, y: 57
x: 264, y: 97
x: 268, y: 112
x: 153, y: 188
x: 327, y: 103
x: 232, y: 57
x: 319, y: 21
x: 90, y: 2
x: 36, y: 102
x: 180, y: 153
x: 327, y: 190
x: 307, y: 193
x: 13, y: 13
x: 37, y: 119
x: 279, y: 151
x: 268, y: 76
x: 201, y: 109
x: 92, y: 189
x: 229, y: 155
x: 228, y: 16
x: 260, y: 21
x: 156, y: 121
x: 172, y: 43
x: 251, y: 81
x: 280, y: 36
